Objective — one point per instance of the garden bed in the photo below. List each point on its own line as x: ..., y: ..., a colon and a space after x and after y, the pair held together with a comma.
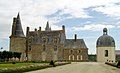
x: 28, y: 67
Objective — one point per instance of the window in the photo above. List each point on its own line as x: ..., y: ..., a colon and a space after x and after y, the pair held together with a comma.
x: 55, y: 40
x: 44, y: 40
x: 44, y: 48
x: 79, y: 51
x: 71, y: 51
x: 48, y: 40
x: 55, y: 48
x: 29, y: 48
x: 106, y: 53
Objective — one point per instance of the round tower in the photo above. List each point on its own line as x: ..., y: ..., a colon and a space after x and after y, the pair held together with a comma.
x: 105, y: 47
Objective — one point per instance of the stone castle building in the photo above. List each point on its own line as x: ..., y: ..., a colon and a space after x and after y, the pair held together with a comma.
x: 105, y: 47
x: 46, y: 45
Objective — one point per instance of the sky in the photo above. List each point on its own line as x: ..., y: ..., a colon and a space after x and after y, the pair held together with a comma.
x: 86, y: 18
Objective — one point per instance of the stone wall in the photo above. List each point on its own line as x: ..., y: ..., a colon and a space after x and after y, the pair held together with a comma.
x: 39, y: 53
x: 18, y: 44
x: 75, y: 54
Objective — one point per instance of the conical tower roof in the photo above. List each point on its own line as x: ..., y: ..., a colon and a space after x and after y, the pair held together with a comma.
x: 47, y: 27
x: 17, y: 27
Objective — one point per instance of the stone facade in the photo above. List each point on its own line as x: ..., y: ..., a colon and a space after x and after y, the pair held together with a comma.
x: 75, y: 50
x: 39, y: 45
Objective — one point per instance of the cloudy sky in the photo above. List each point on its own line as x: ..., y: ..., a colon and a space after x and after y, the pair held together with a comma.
x: 86, y: 18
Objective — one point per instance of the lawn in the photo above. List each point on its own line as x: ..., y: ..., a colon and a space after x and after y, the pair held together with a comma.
x: 26, y: 66
x: 10, y: 65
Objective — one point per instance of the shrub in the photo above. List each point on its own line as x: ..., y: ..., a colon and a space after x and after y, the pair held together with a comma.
x: 13, y: 63
x: 52, y: 63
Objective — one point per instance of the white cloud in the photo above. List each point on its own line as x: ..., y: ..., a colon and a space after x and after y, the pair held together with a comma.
x: 33, y: 12
x: 93, y: 27
x: 112, y: 10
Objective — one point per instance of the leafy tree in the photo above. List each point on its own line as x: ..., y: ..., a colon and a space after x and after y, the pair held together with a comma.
x: 6, y: 55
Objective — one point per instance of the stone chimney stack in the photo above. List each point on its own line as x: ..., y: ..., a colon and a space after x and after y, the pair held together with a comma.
x: 63, y: 27
x: 75, y: 37
x: 35, y: 29
x: 28, y: 29
x: 39, y: 28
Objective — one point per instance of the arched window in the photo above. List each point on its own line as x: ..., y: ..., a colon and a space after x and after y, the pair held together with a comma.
x: 79, y: 51
x: 70, y: 51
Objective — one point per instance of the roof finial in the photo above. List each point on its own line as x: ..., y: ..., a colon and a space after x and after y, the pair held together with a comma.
x: 105, y: 31
x: 18, y: 16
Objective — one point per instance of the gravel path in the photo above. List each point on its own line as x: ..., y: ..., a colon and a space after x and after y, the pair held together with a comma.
x: 80, y: 67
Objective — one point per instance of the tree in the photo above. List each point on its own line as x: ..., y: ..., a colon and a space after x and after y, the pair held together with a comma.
x: 18, y: 55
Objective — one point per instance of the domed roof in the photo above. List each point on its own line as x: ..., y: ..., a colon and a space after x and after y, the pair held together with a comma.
x: 105, y: 40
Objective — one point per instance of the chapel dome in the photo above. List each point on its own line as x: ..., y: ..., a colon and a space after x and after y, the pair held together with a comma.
x: 105, y: 40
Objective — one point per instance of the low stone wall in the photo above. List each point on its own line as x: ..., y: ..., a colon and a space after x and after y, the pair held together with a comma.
x: 116, y: 64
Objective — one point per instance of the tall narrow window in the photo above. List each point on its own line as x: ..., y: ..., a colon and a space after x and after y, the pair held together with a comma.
x: 77, y: 57
x: 55, y: 40
x: 71, y: 51
x: 43, y: 47
x: 29, y: 48
x: 81, y: 57
x: 55, y: 48
x: 79, y: 51
x: 106, y: 53
x: 44, y: 40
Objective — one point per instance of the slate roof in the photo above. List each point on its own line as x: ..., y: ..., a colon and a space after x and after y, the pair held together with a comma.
x: 105, y: 40
x: 51, y: 35
x: 18, y: 27
x: 71, y: 43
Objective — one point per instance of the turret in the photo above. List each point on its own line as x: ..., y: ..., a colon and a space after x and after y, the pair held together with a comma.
x: 17, y: 38
x: 47, y: 27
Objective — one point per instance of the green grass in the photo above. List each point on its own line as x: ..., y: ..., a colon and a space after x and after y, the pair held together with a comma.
x: 16, y: 65
x: 10, y: 65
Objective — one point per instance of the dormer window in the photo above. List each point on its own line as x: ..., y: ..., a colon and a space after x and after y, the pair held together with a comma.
x: 71, y: 51
x: 79, y: 51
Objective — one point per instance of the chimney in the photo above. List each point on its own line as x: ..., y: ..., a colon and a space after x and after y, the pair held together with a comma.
x: 35, y: 29
x: 63, y: 27
x: 13, y: 26
x: 39, y: 28
x: 14, y: 19
x: 27, y: 31
x: 75, y: 37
